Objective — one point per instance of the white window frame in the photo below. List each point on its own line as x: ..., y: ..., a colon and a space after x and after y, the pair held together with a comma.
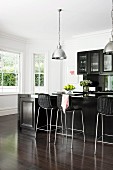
x: 41, y: 89
x: 19, y: 73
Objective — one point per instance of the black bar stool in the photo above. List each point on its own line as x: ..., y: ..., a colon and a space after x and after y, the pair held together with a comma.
x: 70, y: 110
x: 44, y: 102
x: 105, y: 109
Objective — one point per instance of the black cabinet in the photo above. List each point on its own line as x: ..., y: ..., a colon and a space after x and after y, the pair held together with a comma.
x: 82, y: 62
x: 89, y: 62
x: 26, y: 112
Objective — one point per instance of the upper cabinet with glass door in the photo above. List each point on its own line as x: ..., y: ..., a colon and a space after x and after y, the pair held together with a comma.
x: 82, y: 62
x: 95, y: 58
x: 107, y: 66
x: 88, y: 62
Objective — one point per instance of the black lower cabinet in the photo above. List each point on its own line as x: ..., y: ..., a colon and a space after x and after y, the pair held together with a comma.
x: 28, y: 109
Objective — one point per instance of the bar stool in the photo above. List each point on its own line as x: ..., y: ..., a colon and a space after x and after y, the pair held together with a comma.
x: 73, y: 110
x: 105, y: 109
x: 44, y: 102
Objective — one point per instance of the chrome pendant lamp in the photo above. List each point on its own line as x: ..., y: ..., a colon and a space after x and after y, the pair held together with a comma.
x: 59, y: 54
x: 109, y: 46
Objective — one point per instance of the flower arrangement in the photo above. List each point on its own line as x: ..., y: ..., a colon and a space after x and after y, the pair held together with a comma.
x: 69, y: 87
x: 85, y: 83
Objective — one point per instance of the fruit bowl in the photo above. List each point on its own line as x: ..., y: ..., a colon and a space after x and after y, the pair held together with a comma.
x: 69, y: 87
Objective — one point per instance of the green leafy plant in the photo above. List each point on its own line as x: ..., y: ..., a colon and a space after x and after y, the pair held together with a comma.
x: 85, y: 83
x: 9, y: 79
x: 69, y: 87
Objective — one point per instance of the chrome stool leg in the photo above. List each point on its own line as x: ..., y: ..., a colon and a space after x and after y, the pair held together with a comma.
x: 83, y: 125
x: 47, y: 119
x: 61, y: 121
x: 66, y: 127
x: 50, y: 124
x: 102, y: 126
x: 56, y: 126
x: 37, y: 121
x: 96, y: 134
x: 72, y: 129
x: 59, y: 126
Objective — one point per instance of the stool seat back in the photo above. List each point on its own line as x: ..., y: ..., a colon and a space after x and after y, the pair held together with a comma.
x: 59, y: 101
x: 105, y: 105
x: 44, y: 101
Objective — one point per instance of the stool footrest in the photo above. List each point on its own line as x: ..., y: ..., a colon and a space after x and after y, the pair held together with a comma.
x: 79, y: 130
x: 40, y: 128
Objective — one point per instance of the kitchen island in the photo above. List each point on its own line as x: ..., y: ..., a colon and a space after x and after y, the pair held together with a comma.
x: 28, y: 108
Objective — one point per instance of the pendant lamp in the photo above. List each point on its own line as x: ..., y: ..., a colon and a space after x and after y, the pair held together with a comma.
x: 59, y: 54
x: 109, y: 46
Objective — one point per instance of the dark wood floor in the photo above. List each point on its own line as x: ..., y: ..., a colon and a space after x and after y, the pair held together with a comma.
x: 22, y: 152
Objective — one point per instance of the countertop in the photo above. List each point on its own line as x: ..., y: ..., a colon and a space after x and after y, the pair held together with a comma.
x: 73, y: 94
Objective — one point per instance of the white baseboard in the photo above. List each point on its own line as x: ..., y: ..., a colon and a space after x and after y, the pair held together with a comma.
x: 8, y: 111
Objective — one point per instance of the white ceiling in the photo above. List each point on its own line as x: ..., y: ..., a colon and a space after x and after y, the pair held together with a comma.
x: 38, y: 19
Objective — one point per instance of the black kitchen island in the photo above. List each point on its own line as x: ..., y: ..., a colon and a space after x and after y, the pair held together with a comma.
x: 28, y: 108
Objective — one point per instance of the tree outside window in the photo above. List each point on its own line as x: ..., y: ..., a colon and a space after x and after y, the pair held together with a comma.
x: 9, y: 71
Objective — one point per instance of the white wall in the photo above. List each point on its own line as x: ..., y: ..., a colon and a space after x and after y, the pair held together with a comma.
x: 58, y: 71
x: 53, y: 66
x: 8, y: 103
x: 91, y: 41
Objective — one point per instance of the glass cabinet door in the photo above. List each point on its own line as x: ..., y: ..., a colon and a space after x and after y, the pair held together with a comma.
x: 82, y: 62
x: 108, y: 79
x: 107, y: 63
x: 94, y: 62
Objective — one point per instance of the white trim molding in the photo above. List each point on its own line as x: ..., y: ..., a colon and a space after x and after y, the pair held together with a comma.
x: 8, y: 111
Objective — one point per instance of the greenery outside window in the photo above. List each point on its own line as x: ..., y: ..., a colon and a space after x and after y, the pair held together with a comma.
x: 9, y: 71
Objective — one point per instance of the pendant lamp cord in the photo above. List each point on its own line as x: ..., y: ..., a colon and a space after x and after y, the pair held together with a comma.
x: 112, y: 21
x: 59, y: 25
